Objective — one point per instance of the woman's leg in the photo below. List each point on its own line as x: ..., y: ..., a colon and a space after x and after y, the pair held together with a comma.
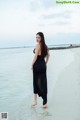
x: 35, y: 100
x: 45, y: 101
x: 35, y: 88
x: 35, y: 97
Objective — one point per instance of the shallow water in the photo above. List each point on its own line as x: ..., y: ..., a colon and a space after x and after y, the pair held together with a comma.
x: 16, y: 88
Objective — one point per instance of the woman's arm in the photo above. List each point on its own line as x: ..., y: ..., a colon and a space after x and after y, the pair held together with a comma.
x: 36, y: 54
x: 47, y: 57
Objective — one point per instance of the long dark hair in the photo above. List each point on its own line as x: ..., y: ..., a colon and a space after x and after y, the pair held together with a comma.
x: 44, y: 47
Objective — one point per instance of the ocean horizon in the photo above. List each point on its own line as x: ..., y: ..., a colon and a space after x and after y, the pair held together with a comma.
x: 55, y: 45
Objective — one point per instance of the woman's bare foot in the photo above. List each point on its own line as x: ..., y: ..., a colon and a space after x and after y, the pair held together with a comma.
x: 34, y: 103
x: 45, y: 106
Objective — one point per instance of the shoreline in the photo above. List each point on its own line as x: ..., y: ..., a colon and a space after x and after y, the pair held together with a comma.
x: 64, y: 100
x: 69, y: 46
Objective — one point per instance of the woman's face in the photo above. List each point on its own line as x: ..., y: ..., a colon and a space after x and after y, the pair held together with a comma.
x: 38, y: 38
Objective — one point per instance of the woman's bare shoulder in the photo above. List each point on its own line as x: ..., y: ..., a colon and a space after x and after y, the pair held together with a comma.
x: 38, y: 45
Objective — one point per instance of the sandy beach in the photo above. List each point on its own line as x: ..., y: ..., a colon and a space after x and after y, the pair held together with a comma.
x: 65, y: 99
x: 63, y: 77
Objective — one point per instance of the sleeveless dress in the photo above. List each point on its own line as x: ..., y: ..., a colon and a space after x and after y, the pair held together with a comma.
x: 40, y: 78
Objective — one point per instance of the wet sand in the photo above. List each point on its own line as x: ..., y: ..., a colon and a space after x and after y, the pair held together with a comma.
x: 65, y: 101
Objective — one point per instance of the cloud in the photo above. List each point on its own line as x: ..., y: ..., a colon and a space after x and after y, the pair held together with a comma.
x: 35, y: 5
x: 62, y: 19
x: 23, y: 19
x: 64, y: 14
x: 48, y: 3
x: 41, y: 4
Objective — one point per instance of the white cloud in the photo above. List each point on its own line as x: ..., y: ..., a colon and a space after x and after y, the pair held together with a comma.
x: 61, y: 19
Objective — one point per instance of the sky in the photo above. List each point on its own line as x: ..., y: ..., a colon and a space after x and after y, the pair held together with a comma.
x: 20, y: 20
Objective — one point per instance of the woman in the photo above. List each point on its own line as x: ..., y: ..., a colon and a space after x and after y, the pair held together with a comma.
x: 39, y: 66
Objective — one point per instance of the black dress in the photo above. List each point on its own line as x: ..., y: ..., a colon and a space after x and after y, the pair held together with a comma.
x: 40, y: 78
